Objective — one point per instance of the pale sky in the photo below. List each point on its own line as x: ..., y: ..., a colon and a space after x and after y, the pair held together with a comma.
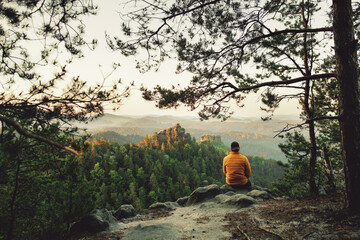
x: 88, y: 68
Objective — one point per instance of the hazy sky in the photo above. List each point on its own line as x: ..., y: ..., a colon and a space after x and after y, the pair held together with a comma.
x: 88, y: 68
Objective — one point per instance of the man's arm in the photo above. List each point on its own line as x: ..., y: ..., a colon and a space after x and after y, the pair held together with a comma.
x: 224, y: 167
x: 247, y: 168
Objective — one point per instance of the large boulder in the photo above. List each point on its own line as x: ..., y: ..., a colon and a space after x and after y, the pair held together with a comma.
x: 221, y: 198
x: 226, y: 188
x: 166, y: 206
x: 125, y: 211
x: 182, y: 201
x: 202, y: 194
x: 260, y: 194
x: 97, y: 221
x: 255, y: 187
x: 240, y: 200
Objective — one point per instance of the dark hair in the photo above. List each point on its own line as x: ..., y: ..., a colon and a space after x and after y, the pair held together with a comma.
x: 235, y: 147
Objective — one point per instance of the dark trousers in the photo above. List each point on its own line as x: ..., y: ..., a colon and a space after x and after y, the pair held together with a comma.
x: 246, y: 185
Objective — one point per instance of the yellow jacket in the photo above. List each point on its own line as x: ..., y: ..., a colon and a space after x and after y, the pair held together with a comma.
x: 236, y: 169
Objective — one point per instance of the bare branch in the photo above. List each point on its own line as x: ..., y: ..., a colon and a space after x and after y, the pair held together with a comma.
x: 245, y: 235
x: 273, y: 34
x: 190, y: 10
x: 290, y: 127
x: 269, y: 84
x: 287, y: 82
x: 287, y: 31
x: 268, y: 231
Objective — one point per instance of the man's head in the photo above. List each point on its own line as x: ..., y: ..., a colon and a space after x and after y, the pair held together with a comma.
x: 235, y: 147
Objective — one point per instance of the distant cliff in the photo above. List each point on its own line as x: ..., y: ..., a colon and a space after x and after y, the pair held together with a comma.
x: 171, y: 138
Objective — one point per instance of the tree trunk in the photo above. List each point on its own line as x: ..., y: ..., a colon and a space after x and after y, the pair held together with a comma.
x: 313, y: 188
x: 347, y: 75
x: 313, y: 150
x: 329, y: 172
x: 10, y: 232
x: 70, y: 206
x: 309, y: 110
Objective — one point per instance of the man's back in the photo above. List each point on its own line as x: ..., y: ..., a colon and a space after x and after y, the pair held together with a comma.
x: 237, y: 169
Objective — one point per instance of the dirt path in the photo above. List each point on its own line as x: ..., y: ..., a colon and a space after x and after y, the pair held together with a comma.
x: 202, y: 221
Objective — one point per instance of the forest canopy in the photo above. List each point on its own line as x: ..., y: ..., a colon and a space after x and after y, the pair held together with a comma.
x: 63, y: 189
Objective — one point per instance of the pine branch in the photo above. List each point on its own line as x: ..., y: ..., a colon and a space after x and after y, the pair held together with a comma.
x: 288, y: 82
x: 269, y: 84
x: 289, y: 127
x: 25, y: 133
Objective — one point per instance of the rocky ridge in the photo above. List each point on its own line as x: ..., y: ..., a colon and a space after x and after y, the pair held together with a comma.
x: 166, y: 139
x: 213, y: 212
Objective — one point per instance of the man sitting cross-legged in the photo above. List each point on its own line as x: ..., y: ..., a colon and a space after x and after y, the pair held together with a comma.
x: 237, y: 168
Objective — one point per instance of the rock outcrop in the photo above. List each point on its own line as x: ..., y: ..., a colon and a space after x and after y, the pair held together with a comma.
x: 166, y: 206
x: 203, y: 193
x: 260, y: 194
x: 226, y: 188
x: 125, y: 211
x: 171, y: 138
x: 97, y: 221
x: 227, y: 213
x: 182, y: 201
x: 100, y: 219
x: 240, y: 200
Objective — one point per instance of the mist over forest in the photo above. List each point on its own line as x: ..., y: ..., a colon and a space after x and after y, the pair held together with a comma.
x: 256, y: 137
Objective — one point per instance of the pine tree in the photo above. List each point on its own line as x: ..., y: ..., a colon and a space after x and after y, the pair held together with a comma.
x: 39, y: 183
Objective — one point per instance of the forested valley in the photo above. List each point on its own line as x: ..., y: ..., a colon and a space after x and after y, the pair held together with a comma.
x: 45, y: 195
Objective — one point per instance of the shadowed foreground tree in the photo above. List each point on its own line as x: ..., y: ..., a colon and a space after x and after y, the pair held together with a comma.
x: 42, y: 190
x: 348, y: 77
x: 217, y: 40
x: 39, y: 37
